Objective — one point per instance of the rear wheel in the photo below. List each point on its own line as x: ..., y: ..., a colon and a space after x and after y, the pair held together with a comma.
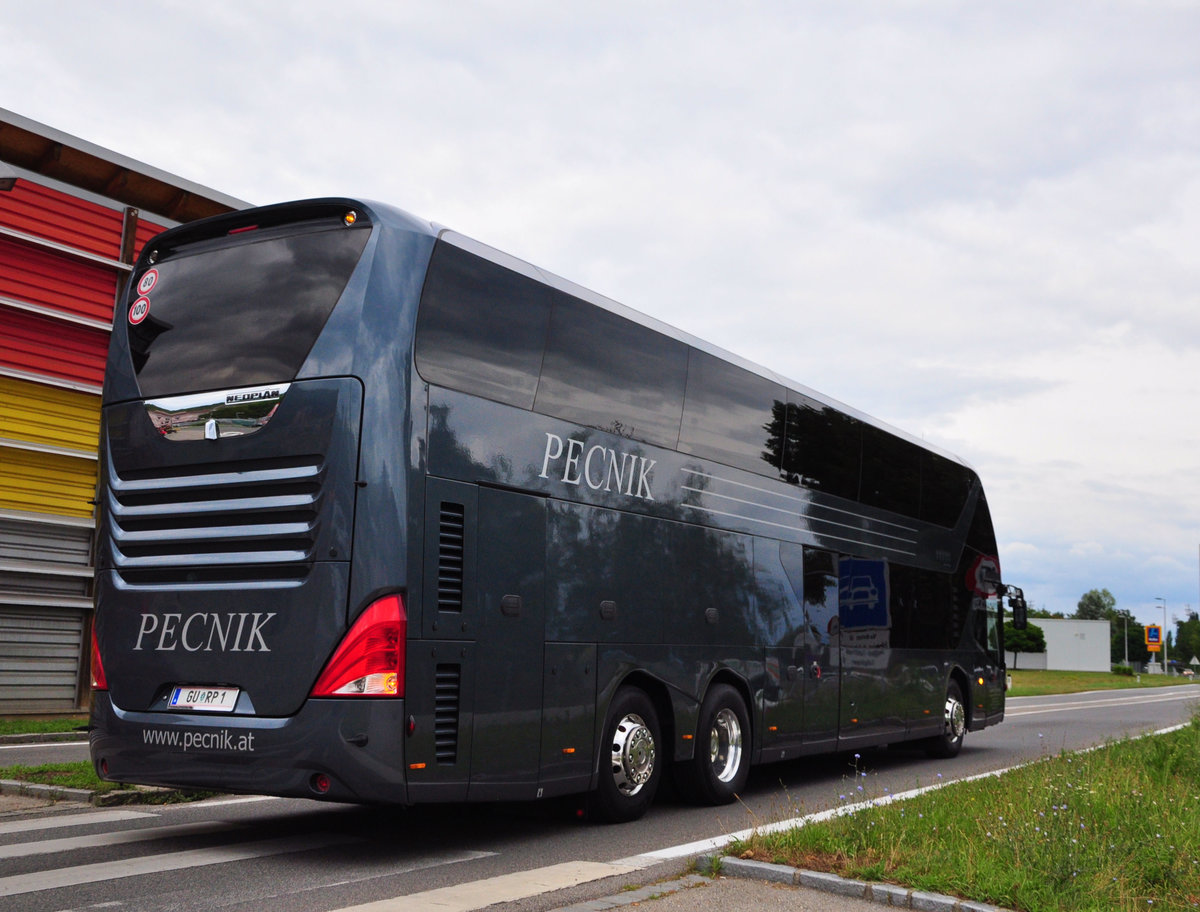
x: 950, y: 741
x: 630, y: 764
x: 721, y: 764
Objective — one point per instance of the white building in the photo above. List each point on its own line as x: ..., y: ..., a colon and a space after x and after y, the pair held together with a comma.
x: 1071, y: 645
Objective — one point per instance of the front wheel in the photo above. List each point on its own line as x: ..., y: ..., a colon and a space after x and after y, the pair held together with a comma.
x: 630, y: 762
x: 721, y: 764
x: 950, y: 741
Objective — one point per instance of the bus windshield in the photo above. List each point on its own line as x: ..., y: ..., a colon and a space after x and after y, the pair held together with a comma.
x: 240, y: 311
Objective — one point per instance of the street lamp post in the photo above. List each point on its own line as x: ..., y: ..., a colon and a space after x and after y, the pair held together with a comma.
x: 1166, y: 657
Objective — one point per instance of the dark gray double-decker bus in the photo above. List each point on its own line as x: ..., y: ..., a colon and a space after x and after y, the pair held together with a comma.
x: 389, y: 516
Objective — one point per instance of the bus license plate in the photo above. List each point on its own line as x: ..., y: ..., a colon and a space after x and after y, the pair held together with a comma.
x: 204, y: 699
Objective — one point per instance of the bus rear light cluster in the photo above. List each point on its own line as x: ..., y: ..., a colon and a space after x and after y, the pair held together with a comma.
x: 99, y: 681
x: 369, y: 662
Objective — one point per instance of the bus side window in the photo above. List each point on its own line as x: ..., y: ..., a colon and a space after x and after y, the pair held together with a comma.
x: 605, y: 371
x: 824, y: 447
x: 891, y: 472
x: 728, y: 415
x: 481, y: 328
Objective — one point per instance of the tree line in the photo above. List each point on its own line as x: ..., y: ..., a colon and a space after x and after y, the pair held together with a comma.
x: 1127, y: 639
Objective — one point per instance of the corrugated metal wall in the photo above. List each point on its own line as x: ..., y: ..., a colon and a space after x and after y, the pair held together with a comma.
x: 60, y: 271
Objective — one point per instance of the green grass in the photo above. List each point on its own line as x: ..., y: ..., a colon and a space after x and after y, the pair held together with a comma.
x: 81, y: 775
x: 19, y: 725
x: 1041, y: 683
x: 1110, y: 829
x: 68, y: 775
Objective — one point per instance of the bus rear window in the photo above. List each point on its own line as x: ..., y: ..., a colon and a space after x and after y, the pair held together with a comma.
x: 241, y: 313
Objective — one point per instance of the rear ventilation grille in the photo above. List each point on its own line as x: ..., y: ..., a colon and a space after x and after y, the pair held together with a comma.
x: 451, y: 530
x: 212, y: 523
x: 447, y: 681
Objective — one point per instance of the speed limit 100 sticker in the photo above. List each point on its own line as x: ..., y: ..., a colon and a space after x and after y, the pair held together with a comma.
x: 139, y: 310
x: 148, y: 281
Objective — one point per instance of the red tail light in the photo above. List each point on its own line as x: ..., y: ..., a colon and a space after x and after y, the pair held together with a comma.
x: 99, y: 681
x: 369, y: 662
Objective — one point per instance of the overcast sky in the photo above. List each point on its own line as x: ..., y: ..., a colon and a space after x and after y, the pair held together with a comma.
x: 979, y: 222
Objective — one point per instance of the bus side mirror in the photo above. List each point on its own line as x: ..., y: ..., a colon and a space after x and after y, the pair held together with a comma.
x: 1020, y: 610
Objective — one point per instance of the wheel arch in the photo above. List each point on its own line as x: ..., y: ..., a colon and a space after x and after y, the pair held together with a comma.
x: 657, y: 692
x: 738, y: 683
x: 959, y: 676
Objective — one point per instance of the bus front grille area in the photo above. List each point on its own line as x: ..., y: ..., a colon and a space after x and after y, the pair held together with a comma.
x: 215, y: 523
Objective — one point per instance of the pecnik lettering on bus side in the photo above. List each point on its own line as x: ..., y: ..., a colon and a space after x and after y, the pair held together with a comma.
x: 598, y: 466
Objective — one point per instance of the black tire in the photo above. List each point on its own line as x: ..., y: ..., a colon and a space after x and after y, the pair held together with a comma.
x: 720, y: 766
x: 631, y: 759
x: 950, y: 741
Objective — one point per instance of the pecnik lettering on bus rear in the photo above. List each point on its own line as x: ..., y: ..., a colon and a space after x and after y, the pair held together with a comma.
x: 204, y: 631
x: 599, y: 467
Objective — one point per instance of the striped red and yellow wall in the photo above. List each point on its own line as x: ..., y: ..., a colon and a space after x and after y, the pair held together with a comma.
x: 64, y: 257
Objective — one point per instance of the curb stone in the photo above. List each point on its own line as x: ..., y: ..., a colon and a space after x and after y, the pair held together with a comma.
x: 881, y: 893
x: 82, y: 796
x: 45, y: 738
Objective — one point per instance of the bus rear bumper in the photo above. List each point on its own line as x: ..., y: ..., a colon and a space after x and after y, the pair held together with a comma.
x: 336, y: 750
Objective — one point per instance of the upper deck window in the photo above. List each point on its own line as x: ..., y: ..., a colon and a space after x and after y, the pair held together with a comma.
x: 944, y: 489
x: 608, y: 372
x: 891, y: 472
x: 481, y: 328
x: 729, y: 415
x: 823, y: 447
x: 241, y: 312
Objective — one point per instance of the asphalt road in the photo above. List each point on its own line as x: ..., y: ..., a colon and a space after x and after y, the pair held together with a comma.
x: 243, y: 854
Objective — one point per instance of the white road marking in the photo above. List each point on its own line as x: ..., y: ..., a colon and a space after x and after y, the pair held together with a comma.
x: 70, y: 820
x: 505, y: 888
x: 122, y: 837
x: 242, y: 799
x: 1122, y: 700
x: 156, y: 864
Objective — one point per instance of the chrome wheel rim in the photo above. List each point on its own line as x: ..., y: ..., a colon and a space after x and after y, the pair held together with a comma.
x: 633, y: 755
x: 956, y: 718
x: 725, y: 745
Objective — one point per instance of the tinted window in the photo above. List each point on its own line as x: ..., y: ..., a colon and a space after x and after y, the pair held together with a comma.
x: 481, y: 328
x: 608, y: 372
x: 243, y: 313
x: 931, y: 607
x: 981, y: 536
x: 727, y: 414
x: 823, y: 448
x: 891, y: 472
x: 944, y: 489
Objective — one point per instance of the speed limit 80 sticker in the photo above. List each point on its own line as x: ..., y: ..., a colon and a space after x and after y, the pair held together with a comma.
x: 147, y: 281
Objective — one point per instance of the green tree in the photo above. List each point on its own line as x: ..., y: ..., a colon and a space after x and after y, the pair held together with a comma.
x: 1187, y: 638
x: 1031, y: 639
x: 1128, y: 638
x: 1096, y: 605
x: 1043, y: 613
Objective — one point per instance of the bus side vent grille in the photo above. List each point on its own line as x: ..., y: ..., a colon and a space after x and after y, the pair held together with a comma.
x: 447, y: 680
x: 451, y: 531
